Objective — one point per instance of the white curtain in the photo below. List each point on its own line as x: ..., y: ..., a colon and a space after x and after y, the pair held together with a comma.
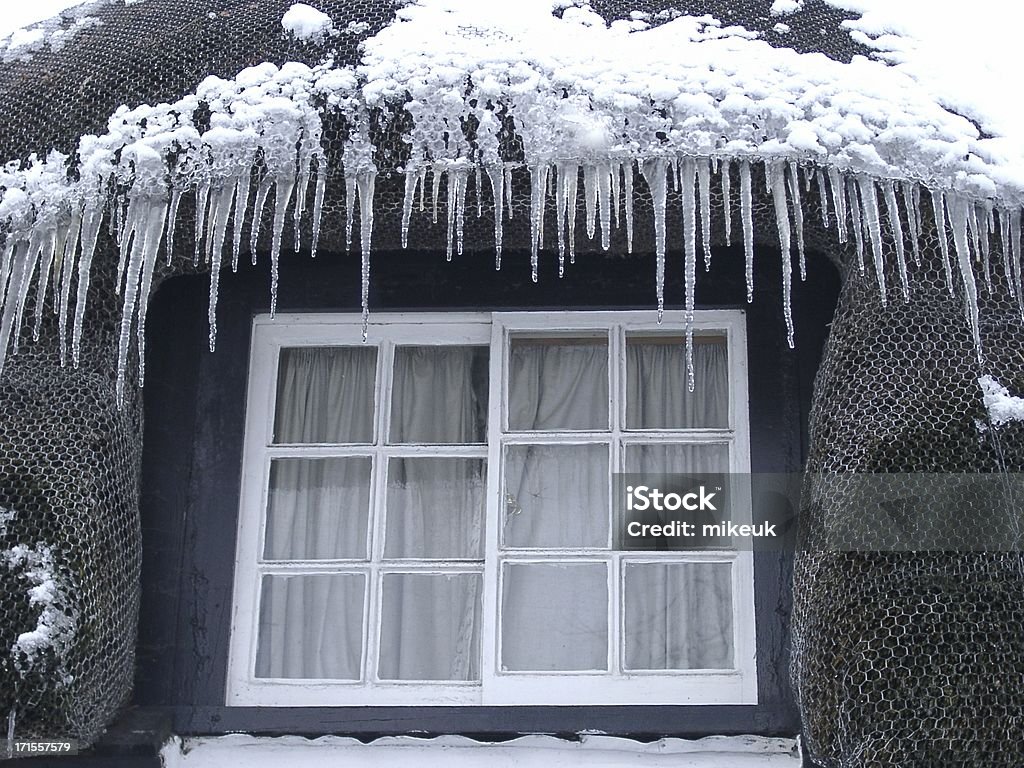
x: 679, y: 616
x: 656, y: 389
x: 325, y: 395
x: 319, y: 508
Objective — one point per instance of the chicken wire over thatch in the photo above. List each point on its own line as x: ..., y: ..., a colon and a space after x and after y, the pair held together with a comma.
x: 167, y: 136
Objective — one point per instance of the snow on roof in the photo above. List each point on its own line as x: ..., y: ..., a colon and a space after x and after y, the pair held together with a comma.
x: 691, y: 97
x: 28, y: 26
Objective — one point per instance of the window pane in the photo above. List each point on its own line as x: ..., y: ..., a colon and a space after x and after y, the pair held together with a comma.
x: 657, y: 396
x: 677, y: 458
x: 440, y: 395
x: 430, y: 627
x: 554, y: 616
x: 311, y: 626
x: 318, y: 509
x: 325, y: 395
x: 678, y: 616
x: 558, y: 384
x: 556, y: 496
x: 435, y: 508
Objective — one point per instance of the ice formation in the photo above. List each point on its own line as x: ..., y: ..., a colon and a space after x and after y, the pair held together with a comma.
x: 55, y: 627
x: 1001, y: 405
x: 690, y: 102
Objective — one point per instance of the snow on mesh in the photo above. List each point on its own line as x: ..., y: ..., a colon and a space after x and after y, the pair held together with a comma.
x: 1001, y: 405
x: 307, y: 23
x: 690, y: 102
x: 27, y: 27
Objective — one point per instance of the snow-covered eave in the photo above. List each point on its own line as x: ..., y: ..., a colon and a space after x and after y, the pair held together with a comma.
x: 719, y: 105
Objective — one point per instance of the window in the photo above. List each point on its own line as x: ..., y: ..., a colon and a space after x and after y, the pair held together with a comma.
x: 426, y: 517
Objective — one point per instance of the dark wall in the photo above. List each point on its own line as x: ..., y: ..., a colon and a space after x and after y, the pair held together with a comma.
x: 194, y: 410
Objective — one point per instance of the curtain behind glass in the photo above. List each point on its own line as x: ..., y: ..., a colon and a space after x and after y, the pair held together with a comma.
x: 656, y: 392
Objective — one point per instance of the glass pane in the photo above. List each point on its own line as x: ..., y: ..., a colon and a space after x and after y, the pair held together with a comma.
x: 435, y: 508
x: 325, y: 395
x: 318, y: 509
x: 558, y: 384
x: 554, y: 616
x: 678, y: 616
x: 657, y: 396
x: 556, y: 496
x: 440, y: 395
x: 677, y: 458
x: 311, y: 626
x: 430, y: 627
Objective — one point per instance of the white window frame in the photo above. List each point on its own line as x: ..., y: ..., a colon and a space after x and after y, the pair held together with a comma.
x: 387, y: 330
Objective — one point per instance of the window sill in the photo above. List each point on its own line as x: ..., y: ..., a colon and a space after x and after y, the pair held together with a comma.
x: 461, y: 752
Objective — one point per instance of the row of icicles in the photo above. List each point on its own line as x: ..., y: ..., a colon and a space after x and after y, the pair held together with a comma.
x: 142, y: 223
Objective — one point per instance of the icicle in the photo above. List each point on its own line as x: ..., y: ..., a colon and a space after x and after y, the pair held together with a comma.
x: 839, y: 201
x: 939, y: 213
x: 144, y: 227
x: 257, y: 217
x: 654, y: 172
x: 301, y: 191
x: 92, y: 220
x: 435, y: 189
x: 616, y: 171
x: 798, y: 216
x: 893, y: 210
x: 1004, y: 246
x: 590, y: 197
x: 411, y: 179
x: 318, y: 203
x: 776, y: 175
x: 747, y: 214
x: 494, y: 174
x: 560, y: 203
x: 704, y: 186
x: 819, y: 177
x: 221, y: 208
x: 68, y: 260
x: 242, y: 184
x: 913, y: 219
x: 959, y: 215
x: 975, y: 233
x: 858, y: 225
x: 284, y: 184
x: 986, y: 232
x: 456, y: 191
x: 572, y: 182
x: 871, y: 216
x: 366, y: 181
x: 19, y: 277
x: 508, y: 190
x: 478, y: 188
x: 172, y: 221
x: 627, y: 196
x: 423, y: 187
x: 538, y: 181
x: 202, y: 196
x: 726, y: 201
x: 604, y: 198
x: 1015, y: 248
x: 350, y: 207
x: 689, y: 171
x: 48, y: 250
x: 675, y: 175
x: 146, y: 283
